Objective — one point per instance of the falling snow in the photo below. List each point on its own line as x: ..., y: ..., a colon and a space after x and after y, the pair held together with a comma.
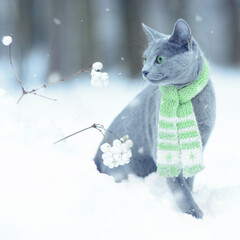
x: 57, y: 21
x: 198, y: 18
x: 54, y: 76
x: 141, y: 150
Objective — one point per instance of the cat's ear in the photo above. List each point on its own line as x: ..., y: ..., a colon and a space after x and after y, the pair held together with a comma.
x: 151, y: 33
x: 182, y: 34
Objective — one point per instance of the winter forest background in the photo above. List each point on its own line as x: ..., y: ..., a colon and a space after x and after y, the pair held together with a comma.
x: 54, y: 191
x: 63, y: 36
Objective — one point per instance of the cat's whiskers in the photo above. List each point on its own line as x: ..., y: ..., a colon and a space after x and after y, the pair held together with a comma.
x: 155, y: 76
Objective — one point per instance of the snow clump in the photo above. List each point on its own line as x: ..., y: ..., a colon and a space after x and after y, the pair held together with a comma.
x: 57, y: 21
x: 117, y: 154
x: 99, y: 78
x: 6, y: 40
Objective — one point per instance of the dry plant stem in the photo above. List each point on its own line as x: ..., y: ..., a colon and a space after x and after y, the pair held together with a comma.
x: 106, y: 130
x: 104, y: 136
x: 112, y: 134
x: 34, y: 91
x: 74, y: 134
x: 24, y: 92
x: 13, y: 68
x: 37, y: 94
x: 99, y: 127
x: 61, y: 80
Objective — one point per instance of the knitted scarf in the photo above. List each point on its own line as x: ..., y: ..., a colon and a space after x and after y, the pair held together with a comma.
x: 179, y: 140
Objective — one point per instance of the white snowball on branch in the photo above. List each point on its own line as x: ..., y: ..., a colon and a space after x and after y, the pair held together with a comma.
x: 7, y: 40
x: 129, y: 143
x: 116, y: 149
x: 117, y: 142
x: 105, y: 83
x: 124, y: 148
x: 105, y: 147
x: 129, y: 152
x: 111, y: 165
x: 106, y: 155
x: 96, y: 75
x: 117, y: 157
x: 125, y: 157
x: 96, y: 82
x: 97, y: 66
x: 118, y: 154
x: 99, y: 79
x: 105, y: 76
x: 105, y: 79
x: 127, y: 161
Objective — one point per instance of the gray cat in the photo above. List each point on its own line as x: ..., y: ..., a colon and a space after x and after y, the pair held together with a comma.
x: 182, y: 65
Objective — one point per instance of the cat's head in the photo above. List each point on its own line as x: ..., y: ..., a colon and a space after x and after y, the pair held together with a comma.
x: 171, y: 59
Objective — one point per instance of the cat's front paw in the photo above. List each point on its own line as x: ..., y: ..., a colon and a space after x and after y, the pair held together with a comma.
x: 197, y: 213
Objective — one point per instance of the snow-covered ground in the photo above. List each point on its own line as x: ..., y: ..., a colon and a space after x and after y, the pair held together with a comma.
x: 55, y: 192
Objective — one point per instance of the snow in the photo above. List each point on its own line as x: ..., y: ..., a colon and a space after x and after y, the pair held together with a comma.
x: 99, y: 79
x: 97, y: 66
x: 117, y: 154
x: 6, y: 40
x: 198, y: 18
x: 57, y: 21
x: 53, y: 77
x: 55, y: 192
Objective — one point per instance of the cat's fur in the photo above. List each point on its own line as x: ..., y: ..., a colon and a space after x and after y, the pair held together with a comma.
x: 182, y: 65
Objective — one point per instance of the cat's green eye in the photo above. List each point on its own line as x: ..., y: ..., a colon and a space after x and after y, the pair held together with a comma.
x: 160, y: 59
x: 144, y: 59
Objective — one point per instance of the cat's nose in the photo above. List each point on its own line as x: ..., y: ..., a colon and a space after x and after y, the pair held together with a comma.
x: 145, y: 73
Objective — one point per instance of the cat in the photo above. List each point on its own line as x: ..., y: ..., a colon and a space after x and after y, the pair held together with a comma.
x: 183, y: 63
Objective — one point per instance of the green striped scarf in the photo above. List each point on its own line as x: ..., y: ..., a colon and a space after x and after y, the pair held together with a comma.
x: 179, y: 140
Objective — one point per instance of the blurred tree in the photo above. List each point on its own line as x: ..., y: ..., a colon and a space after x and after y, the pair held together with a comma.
x: 71, y: 38
x: 235, y: 25
x: 24, y: 25
x: 56, y: 50
x: 134, y: 34
x: 64, y: 36
x: 178, y: 9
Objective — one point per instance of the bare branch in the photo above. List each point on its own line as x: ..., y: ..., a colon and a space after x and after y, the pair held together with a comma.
x: 61, y: 80
x: 107, y: 139
x: 20, y: 98
x: 93, y: 126
x: 106, y: 130
x: 34, y: 91
x: 99, y: 127
x: 52, y: 99
x: 13, y: 68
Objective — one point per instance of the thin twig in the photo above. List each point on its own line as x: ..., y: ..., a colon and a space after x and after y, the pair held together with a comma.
x: 106, y: 130
x: 14, y: 70
x: 61, y: 80
x: 99, y: 127
x: 93, y: 126
x: 20, y: 98
x: 107, y: 139
x: 34, y: 91
x: 53, y: 99
x: 112, y: 133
